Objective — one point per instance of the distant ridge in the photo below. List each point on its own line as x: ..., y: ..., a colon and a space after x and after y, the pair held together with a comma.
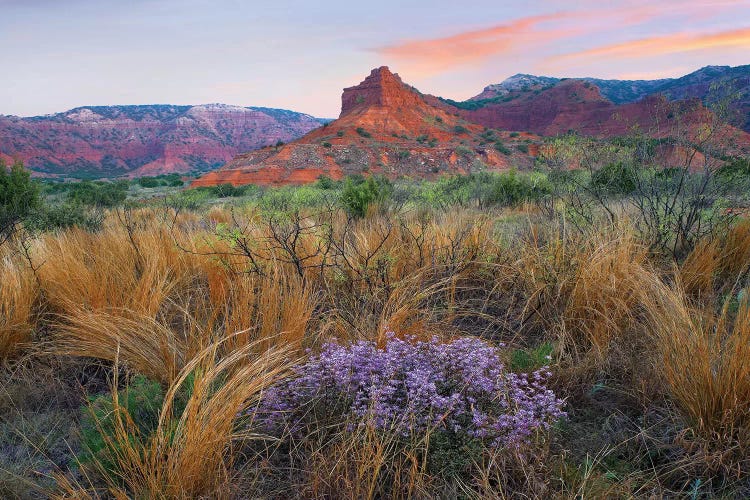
x: 709, y: 84
x: 109, y: 141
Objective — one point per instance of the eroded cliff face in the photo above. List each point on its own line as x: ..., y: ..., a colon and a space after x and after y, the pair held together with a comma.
x: 385, y: 127
x: 145, y: 140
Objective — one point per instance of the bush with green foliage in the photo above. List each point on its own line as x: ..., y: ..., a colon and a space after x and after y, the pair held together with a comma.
x: 142, y: 401
x: 359, y: 193
x: 460, y: 129
x: 99, y: 194
x: 512, y: 188
x: 148, y: 182
x: 326, y: 183
x: 362, y: 132
x: 62, y: 216
x: 502, y: 148
x: 19, y: 196
x: 615, y: 178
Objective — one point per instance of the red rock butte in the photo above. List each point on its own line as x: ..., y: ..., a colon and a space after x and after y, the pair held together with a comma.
x: 388, y: 127
x: 385, y: 127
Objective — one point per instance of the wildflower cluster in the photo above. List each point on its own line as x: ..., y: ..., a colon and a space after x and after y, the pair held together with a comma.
x: 412, y: 387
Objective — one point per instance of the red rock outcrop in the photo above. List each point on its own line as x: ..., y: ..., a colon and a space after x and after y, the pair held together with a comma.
x: 145, y: 140
x: 388, y: 127
x: 385, y: 127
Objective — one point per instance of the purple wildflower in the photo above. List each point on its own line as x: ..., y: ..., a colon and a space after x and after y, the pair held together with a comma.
x: 411, y: 386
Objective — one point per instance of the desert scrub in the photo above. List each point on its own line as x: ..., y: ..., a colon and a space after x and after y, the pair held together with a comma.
x: 455, y: 390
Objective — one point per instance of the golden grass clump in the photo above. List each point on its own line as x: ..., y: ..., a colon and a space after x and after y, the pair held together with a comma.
x: 191, y: 455
x: 705, y: 361
x: 112, y: 270
x: 606, y: 291
x: 586, y: 287
x: 18, y: 293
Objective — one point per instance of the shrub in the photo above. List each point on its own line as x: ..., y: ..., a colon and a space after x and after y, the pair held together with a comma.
x: 460, y: 129
x: 53, y: 217
x: 149, y: 182
x: 502, y: 148
x: 228, y: 190
x: 523, y: 148
x: 340, y: 133
x: 99, y: 194
x: 514, y: 134
x: 464, y: 151
x: 615, y: 178
x: 512, y: 188
x: 412, y: 388
x: 19, y: 196
x: 363, y: 132
x: 359, y: 193
x: 326, y: 183
x: 326, y: 144
x: 141, y: 401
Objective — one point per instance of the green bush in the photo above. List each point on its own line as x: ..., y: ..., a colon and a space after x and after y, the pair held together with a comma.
x: 615, y: 178
x: 464, y: 151
x: 460, y: 129
x: 326, y: 144
x: 512, y: 188
x: 523, y: 148
x: 502, y: 148
x: 19, y: 196
x: 359, y: 193
x: 142, y: 400
x: 149, y: 182
x: 363, y: 132
x: 736, y: 169
x: 228, y: 190
x: 98, y: 194
x: 54, y: 217
x: 326, y: 183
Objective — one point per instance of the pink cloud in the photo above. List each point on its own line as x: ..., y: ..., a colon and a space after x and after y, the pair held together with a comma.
x: 674, y: 43
x: 437, y: 54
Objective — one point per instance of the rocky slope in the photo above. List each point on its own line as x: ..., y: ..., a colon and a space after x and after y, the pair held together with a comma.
x: 391, y: 128
x: 106, y: 141
x: 385, y: 127
x: 711, y: 85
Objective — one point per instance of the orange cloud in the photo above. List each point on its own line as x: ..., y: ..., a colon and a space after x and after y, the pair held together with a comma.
x: 664, y: 45
x: 440, y: 53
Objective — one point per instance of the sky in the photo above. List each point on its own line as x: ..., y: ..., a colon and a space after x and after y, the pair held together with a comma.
x: 299, y: 54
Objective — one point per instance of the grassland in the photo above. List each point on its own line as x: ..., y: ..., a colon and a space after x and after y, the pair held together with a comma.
x: 137, y: 351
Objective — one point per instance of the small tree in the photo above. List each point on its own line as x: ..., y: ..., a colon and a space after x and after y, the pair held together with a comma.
x: 19, y: 196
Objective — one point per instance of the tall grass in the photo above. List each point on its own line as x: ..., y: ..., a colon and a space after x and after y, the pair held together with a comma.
x: 190, y: 455
x: 705, y: 361
x: 18, y: 293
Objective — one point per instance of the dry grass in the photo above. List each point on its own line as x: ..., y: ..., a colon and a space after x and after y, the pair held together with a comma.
x: 190, y: 455
x: 705, y: 360
x: 166, y: 297
x: 18, y: 293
